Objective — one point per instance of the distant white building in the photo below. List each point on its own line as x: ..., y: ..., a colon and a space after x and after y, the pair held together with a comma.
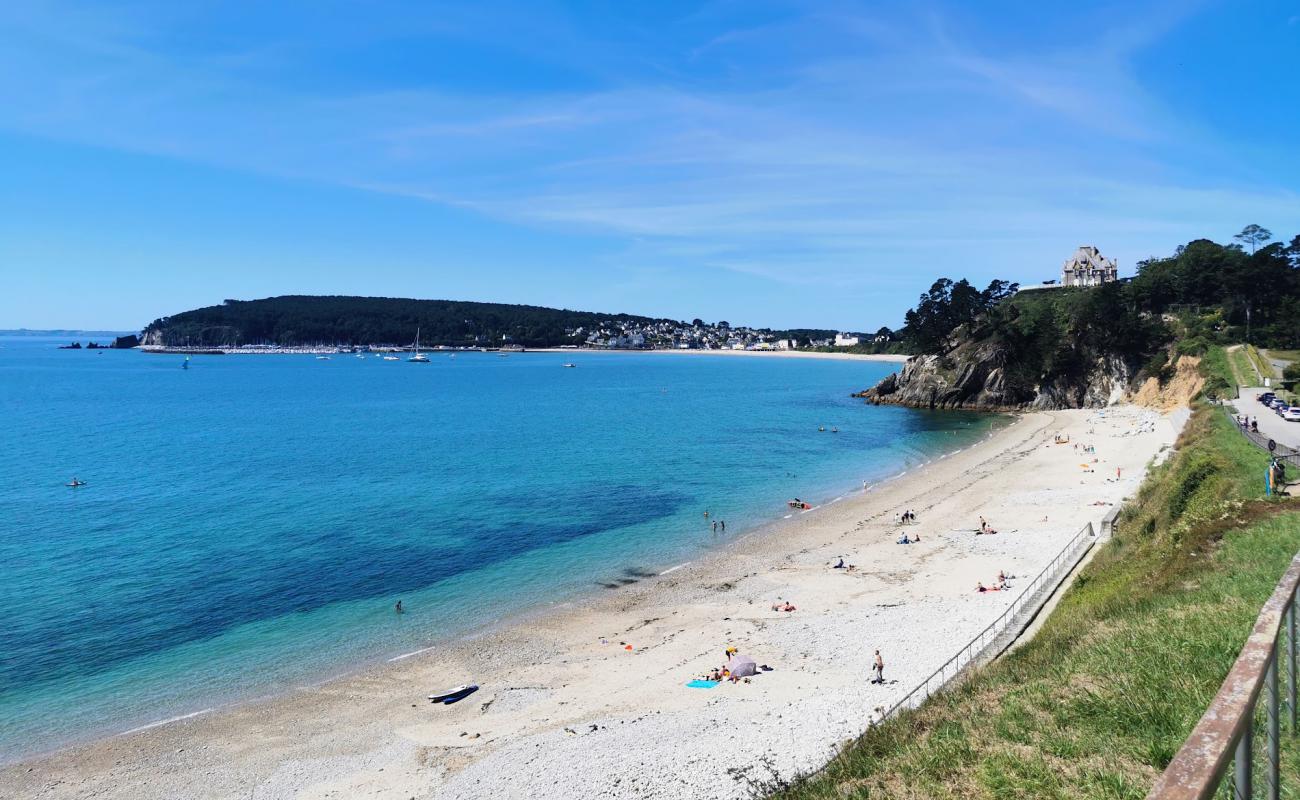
x: 785, y: 344
x: 1087, y: 267
x: 845, y: 340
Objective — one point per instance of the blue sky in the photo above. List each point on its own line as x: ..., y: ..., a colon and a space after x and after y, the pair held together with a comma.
x: 765, y: 163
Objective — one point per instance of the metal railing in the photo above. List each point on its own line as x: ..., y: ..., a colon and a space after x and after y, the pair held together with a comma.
x: 1225, y: 736
x: 1280, y: 451
x: 973, y: 650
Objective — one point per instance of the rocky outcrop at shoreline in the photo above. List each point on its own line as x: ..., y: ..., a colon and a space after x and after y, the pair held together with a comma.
x: 979, y: 378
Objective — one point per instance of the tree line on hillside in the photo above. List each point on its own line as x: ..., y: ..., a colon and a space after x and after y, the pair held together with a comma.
x: 353, y: 321
x: 305, y: 319
x: 1205, y: 293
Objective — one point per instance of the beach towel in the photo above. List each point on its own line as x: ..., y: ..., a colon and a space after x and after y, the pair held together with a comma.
x: 701, y: 684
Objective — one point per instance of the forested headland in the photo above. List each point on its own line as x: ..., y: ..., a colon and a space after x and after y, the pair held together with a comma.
x: 1065, y: 347
x: 297, y: 320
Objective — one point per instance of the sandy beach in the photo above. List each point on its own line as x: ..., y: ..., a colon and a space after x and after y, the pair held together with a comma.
x: 588, y: 699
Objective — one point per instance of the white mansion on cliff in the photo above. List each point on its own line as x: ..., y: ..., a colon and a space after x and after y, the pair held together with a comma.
x: 1087, y: 267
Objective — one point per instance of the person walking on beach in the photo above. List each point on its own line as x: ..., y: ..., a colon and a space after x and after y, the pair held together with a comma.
x: 878, y: 667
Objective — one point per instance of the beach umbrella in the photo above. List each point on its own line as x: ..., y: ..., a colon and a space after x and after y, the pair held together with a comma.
x: 741, y: 666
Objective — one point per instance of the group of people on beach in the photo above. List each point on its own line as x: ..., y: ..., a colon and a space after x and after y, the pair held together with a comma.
x: 736, y: 669
x: 1000, y: 585
x: 908, y: 517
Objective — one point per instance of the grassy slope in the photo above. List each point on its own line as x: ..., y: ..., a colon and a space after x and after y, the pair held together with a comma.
x: 1260, y: 363
x: 1242, y: 368
x: 1220, y: 378
x: 1099, y: 701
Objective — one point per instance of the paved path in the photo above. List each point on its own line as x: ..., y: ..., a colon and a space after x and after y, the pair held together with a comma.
x: 1270, y: 424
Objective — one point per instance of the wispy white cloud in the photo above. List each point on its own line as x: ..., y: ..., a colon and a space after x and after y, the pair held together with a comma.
x: 899, y: 144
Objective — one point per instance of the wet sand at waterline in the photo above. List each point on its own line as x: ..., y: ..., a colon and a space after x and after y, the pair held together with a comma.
x: 565, y: 710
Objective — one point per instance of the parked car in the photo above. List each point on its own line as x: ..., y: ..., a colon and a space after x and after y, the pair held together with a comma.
x: 1276, y: 403
x: 1292, y: 414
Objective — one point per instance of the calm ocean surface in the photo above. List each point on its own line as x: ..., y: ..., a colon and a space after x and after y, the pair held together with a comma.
x: 248, y: 523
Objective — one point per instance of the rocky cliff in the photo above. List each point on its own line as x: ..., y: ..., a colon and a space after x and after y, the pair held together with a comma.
x: 979, y: 376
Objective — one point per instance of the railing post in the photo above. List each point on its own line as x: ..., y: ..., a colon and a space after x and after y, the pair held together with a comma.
x: 1241, y: 788
x: 1270, y: 684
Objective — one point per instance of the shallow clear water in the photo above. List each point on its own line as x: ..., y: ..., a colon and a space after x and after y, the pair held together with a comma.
x: 248, y: 523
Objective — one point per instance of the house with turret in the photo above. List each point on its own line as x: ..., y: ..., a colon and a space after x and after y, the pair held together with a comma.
x: 1087, y: 267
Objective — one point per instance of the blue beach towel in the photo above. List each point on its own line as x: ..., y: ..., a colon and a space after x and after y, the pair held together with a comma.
x: 701, y: 684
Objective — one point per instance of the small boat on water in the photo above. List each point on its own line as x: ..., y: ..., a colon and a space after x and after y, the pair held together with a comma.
x: 74, y: 483
x: 570, y: 366
x: 418, y: 358
x: 392, y: 358
x: 455, y: 695
x: 322, y: 358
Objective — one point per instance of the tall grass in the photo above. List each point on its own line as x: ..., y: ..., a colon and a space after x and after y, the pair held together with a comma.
x: 1257, y: 359
x: 1220, y: 380
x: 1098, y: 702
x: 1243, y: 367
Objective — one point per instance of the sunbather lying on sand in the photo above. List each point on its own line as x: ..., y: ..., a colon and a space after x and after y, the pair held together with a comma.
x: 980, y: 587
x: 783, y: 606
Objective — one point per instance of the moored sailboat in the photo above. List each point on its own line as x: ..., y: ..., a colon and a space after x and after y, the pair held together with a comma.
x: 418, y: 358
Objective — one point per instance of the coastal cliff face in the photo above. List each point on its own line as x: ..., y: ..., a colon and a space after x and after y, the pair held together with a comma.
x: 978, y: 377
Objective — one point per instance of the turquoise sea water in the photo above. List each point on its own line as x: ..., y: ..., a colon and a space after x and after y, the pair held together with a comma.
x: 248, y: 523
